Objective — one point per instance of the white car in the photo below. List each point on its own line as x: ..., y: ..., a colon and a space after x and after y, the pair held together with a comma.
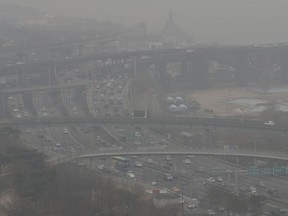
x: 187, y: 161
x: 168, y: 158
x: 130, y: 175
x: 191, y: 156
x: 211, y: 180
x: 191, y: 206
x: 219, y: 179
x: 261, y: 184
x: 200, y: 170
x: 101, y: 167
x: 154, y: 183
x: 195, y: 201
x: 138, y: 164
x: 211, y: 212
x: 269, y: 123
x: 137, y: 134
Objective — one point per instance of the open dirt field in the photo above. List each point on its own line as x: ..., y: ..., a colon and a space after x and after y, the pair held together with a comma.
x: 217, y: 99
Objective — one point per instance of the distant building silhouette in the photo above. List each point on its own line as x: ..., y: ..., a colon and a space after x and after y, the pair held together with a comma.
x: 173, y: 35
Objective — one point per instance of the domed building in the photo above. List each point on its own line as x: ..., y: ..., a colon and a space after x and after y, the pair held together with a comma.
x: 173, y: 34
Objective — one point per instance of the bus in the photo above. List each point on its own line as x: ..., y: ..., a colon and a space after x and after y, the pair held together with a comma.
x: 121, y: 163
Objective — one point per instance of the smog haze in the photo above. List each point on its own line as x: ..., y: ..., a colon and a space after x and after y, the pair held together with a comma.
x: 223, y: 21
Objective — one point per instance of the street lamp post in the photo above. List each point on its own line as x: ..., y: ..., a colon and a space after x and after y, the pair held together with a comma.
x: 182, y: 201
x: 17, y: 81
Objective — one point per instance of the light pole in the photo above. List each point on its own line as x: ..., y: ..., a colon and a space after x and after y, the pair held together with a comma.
x: 49, y: 76
x: 182, y: 201
x: 17, y: 81
x: 191, y: 184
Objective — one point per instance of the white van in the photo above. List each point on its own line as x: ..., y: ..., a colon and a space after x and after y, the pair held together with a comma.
x: 130, y: 175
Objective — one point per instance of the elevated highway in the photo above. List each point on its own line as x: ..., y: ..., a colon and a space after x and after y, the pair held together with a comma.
x: 246, y: 60
x: 45, y: 88
x: 148, y: 122
x: 177, y: 151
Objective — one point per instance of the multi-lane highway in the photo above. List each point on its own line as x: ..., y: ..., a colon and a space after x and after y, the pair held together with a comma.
x: 104, y: 105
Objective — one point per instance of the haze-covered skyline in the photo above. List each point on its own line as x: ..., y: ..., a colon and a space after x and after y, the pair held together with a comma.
x: 223, y: 21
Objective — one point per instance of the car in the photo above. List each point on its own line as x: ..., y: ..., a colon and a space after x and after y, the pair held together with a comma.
x: 168, y: 177
x: 138, y: 164
x: 211, y: 212
x: 168, y: 158
x: 137, y: 134
x: 191, y: 205
x: 191, y: 156
x: 219, y: 179
x: 211, y: 180
x: 195, y: 201
x: 282, y: 210
x: 101, y: 167
x: 154, y: 183
x: 130, y: 175
x: 269, y: 123
x: 18, y: 116
x: 175, y: 189
x: 58, y: 145
x: 66, y: 130
x: 187, y: 161
x: 253, y: 191
x: 261, y: 184
x: 149, y: 160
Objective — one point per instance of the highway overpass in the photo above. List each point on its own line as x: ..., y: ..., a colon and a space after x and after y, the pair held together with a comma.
x: 177, y: 151
x: 148, y: 122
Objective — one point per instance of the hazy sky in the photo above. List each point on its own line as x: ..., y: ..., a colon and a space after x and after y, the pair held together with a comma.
x: 225, y: 21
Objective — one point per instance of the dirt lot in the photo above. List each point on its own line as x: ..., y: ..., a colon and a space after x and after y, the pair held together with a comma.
x: 217, y: 99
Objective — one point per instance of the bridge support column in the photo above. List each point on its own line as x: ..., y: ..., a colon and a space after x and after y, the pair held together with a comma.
x: 161, y: 70
x: 162, y: 76
x: 90, y: 164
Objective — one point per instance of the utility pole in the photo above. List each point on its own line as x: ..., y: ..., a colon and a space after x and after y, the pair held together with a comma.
x: 49, y: 79
x: 236, y: 174
x: 182, y: 201
x: 191, y: 184
x: 17, y: 81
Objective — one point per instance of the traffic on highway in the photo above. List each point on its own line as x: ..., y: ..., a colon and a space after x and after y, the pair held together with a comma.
x: 188, y: 177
